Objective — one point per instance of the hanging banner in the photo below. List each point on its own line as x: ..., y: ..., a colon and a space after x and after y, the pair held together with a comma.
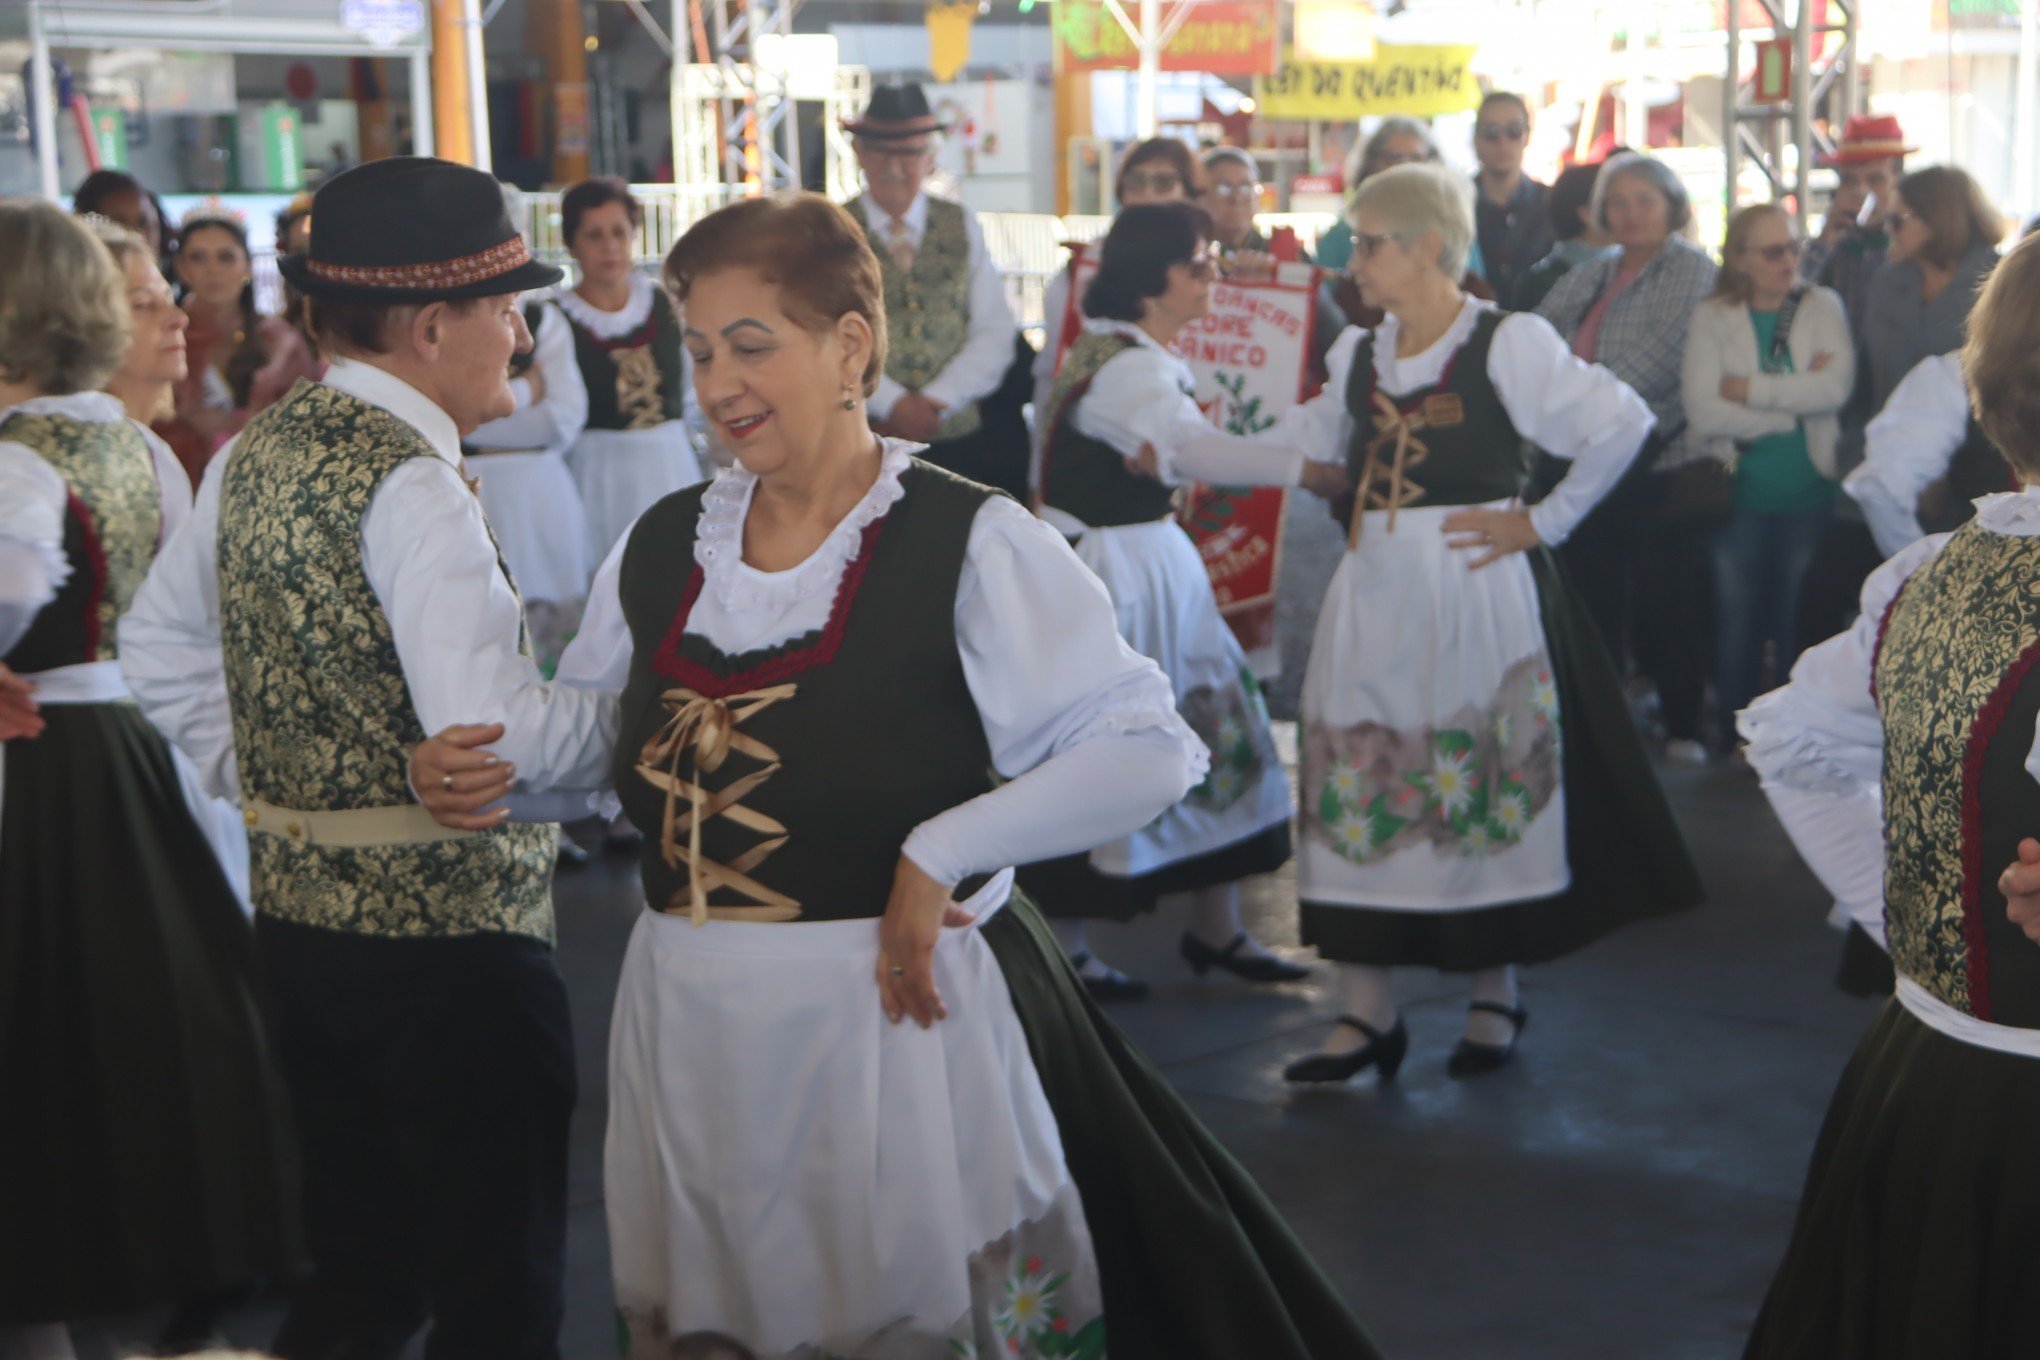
x: 1420, y: 82
x: 1250, y: 356
x: 1218, y: 37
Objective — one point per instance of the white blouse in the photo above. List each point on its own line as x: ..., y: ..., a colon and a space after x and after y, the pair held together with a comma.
x: 1083, y: 727
x: 1817, y: 743
x: 1907, y: 446
x: 1144, y: 396
x: 1578, y: 411
x: 33, y: 494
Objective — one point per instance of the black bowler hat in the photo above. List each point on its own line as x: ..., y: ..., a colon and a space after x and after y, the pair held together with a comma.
x: 413, y: 229
x: 896, y: 112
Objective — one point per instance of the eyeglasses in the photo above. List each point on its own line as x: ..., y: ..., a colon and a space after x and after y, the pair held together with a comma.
x: 1228, y: 192
x: 894, y: 152
x: 1202, y: 268
x: 1365, y: 243
x: 1899, y: 218
x: 1498, y: 132
x: 1154, y: 181
x: 1778, y: 253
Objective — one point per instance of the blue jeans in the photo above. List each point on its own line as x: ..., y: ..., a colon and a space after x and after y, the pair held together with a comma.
x: 1760, y: 559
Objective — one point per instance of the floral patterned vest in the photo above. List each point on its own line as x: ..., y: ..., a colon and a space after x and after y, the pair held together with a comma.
x: 1087, y: 477
x: 1956, y: 684
x: 927, y: 308
x: 322, y: 716
x: 113, y: 524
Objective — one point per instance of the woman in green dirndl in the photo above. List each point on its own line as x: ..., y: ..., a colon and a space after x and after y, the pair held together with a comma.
x: 143, y: 1134
x: 859, y: 1103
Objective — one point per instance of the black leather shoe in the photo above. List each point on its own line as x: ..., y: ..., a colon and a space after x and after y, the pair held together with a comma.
x: 1202, y: 958
x: 570, y: 853
x: 1110, y: 985
x: 1470, y: 1059
x: 1385, y: 1051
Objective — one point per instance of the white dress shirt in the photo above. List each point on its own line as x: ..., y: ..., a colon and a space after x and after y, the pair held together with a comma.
x: 975, y: 371
x: 1907, y: 446
x: 455, y: 621
x: 1577, y: 411
x: 553, y: 422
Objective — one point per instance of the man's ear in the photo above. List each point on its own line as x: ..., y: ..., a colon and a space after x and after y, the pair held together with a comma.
x: 427, y: 330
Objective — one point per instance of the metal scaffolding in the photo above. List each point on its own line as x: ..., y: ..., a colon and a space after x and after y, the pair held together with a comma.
x: 1758, y: 130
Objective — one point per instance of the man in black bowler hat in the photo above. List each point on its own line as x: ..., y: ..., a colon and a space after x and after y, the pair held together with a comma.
x: 335, y: 597
x: 950, y: 335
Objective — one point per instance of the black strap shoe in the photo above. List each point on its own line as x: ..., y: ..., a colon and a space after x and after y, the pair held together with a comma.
x: 1470, y: 1059
x: 1202, y: 958
x: 1110, y: 985
x: 1385, y: 1051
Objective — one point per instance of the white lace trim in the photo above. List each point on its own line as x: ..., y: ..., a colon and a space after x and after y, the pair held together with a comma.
x: 96, y: 407
x: 1397, y: 375
x: 610, y: 325
x: 745, y: 590
x: 2016, y: 513
x: 1141, y: 704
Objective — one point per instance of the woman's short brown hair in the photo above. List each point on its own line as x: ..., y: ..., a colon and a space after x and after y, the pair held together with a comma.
x: 811, y: 248
x: 1954, y: 209
x: 585, y: 197
x: 64, y: 319
x: 1731, y: 281
x: 2002, y: 357
x: 1168, y: 151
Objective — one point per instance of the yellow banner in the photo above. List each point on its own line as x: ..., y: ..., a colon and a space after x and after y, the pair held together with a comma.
x: 1418, y: 81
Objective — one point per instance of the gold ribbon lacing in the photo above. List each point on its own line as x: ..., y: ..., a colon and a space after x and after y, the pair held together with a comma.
x: 1388, y: 489
x: 707, y: 728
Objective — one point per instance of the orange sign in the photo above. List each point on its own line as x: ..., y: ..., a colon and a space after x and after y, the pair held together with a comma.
x: 1219, y: 37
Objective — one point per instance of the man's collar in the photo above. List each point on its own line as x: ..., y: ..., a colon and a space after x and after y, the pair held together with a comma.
x: 916, y: 215
x: 365, y: 381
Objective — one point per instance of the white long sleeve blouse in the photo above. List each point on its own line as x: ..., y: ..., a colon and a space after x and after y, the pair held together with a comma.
x: 1908, y: 446
x: 1084, y: 728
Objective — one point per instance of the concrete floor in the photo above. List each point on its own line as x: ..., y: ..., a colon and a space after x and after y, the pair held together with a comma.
x: 1621, y: 1193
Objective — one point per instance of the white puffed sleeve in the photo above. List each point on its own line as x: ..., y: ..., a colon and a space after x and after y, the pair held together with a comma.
x: 1907, y: 445
x: 33, y: 567
x: 1083, y: 726
x: 1136, y: 400
x: 1321, y: 427
x: 1575, y: 410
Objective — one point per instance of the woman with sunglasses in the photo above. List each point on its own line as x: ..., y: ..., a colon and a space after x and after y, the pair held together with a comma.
x: 1768, y: 366
x: 1510, y: 221
x: 1474, y: 794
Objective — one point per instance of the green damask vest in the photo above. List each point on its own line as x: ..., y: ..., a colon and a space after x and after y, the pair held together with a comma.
x: 880, y: 732
x: 1956, y: 683
x: 1473, y: 454
x: 636, y: 381
x: 1087, y: 477
x: 927, y: 309
x: 113, y: 525
x: 322, y: 716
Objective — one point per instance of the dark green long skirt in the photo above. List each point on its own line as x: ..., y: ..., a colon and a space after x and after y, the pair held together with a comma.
x: 144, y: 1149
x: 1194, y: 1261
x: 1918, y: 1235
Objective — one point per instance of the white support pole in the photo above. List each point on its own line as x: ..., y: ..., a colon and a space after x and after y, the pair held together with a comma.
x: 676, y: 114
x: 1150, y: 66
x: 478, y: 84
x: 1802, y: 109
x: 43, y: 90
x: 1731, y: 121
x: 2028, y: 91
x: 422, y: 139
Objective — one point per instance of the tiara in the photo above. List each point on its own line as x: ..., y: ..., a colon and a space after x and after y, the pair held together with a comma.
x: 213, y: 210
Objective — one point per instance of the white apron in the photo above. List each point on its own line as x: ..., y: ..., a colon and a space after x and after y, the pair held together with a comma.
x: 1430, y: 763
x: 1162, y: 597
x: 786, y: 1166
x: 622, y: 473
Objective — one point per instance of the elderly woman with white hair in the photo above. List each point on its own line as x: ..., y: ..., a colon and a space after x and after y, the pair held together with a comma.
x: 1474, y: 795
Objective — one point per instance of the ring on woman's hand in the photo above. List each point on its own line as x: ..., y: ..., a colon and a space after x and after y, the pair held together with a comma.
x: 446, y: 782
x: 898, y: 972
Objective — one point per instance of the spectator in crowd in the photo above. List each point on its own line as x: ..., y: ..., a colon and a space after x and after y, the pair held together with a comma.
x: 1397, y: 141
x: 1577, y: 238
x: 1232, y: 182
x: 1515, y: 231
x: 1850, y: 248
x: 1768, y: 365
x: 120, y: 197
x: 1639, y: 560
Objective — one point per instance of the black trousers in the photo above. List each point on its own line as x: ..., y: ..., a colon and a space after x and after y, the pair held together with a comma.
x: 433, y: 1080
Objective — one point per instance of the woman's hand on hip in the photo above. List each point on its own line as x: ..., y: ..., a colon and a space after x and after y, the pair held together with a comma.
x: 1500, y: 532
x: 914, y: 917
x: 455, y: 778
x: 2020, y: 883
x: 1324, y: 480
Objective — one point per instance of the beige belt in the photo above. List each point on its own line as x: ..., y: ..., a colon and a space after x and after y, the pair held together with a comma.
x: 406, y: 825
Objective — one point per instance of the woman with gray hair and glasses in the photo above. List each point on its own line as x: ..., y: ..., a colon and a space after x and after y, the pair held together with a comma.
x: 1474, y: 795
x: 1641, y: 564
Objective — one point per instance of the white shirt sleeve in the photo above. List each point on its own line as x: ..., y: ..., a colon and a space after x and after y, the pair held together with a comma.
x: 1134, y: 401
x: 1907, y: 446
x: 1085, y: 728
x: 974, y: 372
x: 32, y: 562
x: 1321, y: 427
x: 1577, y: 411
x: 557, y: 418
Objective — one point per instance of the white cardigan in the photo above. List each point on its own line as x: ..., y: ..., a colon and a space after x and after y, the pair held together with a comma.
x: 1723, y: 343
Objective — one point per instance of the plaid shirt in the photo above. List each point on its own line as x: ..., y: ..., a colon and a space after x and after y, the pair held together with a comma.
x: 1643, y: 336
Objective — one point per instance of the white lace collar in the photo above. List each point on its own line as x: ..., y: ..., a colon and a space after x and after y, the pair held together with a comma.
x: 743, y: 589
x: 95, y: 408
x: 1394, y: 374
x: 611, y: 325
x: 2016, y: 513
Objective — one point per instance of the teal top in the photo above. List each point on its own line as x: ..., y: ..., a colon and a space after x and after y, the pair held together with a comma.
x: 1775, y: 474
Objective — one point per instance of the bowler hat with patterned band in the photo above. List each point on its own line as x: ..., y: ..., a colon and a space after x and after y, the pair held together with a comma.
x: 896, y: 113
x: 413, y: 229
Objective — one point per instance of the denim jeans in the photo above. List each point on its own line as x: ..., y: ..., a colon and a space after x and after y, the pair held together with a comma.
x: 1760, y: 559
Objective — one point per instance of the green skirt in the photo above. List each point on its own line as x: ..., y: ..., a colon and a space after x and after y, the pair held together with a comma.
x: 1195, y: 1263
x: 145, y: 1153
x: 1918, y: 1235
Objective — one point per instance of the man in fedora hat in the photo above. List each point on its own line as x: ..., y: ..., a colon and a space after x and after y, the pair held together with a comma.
x: 950, y: 333
x: 1868, y: 161
x: 335, y: 597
